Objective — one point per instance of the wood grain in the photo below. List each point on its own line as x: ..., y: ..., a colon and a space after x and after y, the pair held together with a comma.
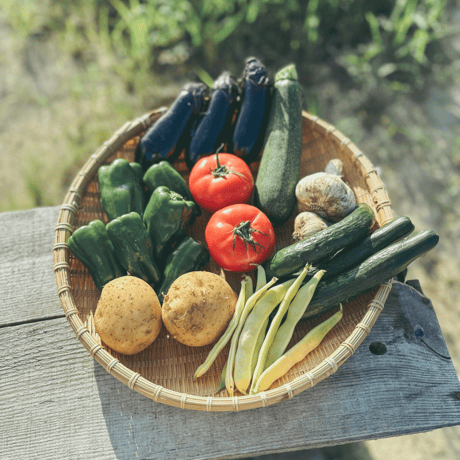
x: 57, y: 402
x: 27, y: 283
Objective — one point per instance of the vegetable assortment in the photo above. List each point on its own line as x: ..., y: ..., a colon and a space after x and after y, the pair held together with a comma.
x: 334, y: 257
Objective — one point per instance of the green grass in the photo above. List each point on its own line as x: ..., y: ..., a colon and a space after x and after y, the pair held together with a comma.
x: 103, y: 62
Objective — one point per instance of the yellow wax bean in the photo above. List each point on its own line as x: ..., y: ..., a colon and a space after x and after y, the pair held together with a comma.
x: 292, y: 291
x: 261, y: 277
x: 222, y: 379
x: 259, y: 342
x: 217, y: 348
x: 251, y: 331
x: 229, y: 381
x: 294, y: 313
x: 297, y: 353
x: 249, y: 287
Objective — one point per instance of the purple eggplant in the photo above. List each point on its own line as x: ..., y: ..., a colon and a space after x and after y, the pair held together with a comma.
x: 163, y: 140
x: 214, y: 128
x: 252, y: 119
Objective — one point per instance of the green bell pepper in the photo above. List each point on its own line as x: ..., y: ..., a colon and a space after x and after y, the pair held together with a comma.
x: 189, y: 255
x: 164, y: 174
x: 121, y: 189
x: 134, y: 247
x: 138, y: 171
x: 91, y: 245
x: 166, y: 217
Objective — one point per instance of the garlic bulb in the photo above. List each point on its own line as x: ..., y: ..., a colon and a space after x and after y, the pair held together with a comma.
x: 335, y: 166
x: 326, y: 195
x: 307, y: 224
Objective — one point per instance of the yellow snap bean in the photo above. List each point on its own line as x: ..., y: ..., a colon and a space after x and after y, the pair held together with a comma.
x: 297, y: 353
x: 260, y: 366
x: 251, y: 331
x: 294, y: 313
x: 229, y: 380
x: 217, y: 348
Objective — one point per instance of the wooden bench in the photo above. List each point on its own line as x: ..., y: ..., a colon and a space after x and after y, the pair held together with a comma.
x: 57, y: 402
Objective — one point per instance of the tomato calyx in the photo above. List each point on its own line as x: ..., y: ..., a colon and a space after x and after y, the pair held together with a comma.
x: 223, y: 170
x: 244, y: 231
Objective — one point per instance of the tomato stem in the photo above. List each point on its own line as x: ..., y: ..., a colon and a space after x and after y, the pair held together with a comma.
x: 245, y: 231
x: 223, y: 170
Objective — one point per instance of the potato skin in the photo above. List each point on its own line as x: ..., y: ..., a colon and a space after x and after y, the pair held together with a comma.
x: 198, y: 307
x: 128, y: 315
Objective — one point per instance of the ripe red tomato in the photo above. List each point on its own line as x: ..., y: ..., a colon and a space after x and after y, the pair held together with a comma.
x: 220, y: 180
x: 239, y: 236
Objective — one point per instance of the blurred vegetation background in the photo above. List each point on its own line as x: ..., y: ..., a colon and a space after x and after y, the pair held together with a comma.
x: 384, y: 72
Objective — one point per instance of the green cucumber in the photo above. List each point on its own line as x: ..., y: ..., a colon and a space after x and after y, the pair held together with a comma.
x: 349, y: 230
x: 280, y: 164
x: 377, y: 269
x: 381, y: 238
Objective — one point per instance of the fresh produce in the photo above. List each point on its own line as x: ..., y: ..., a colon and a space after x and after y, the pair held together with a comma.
x: 326, y: 195
x: 294, y: 313
x: 121, y: 191
x: 252, y: 119
x: 335, y: 166
x: 247, y: 350
x: 280, y: 164
x: 128, y: 315
x: 91, y: 245
x: 214, y: 127
x: 161, y: 138
x: 307, y: 224
x: 227, y: 335
x: 164, y: 174
x: 252, y: 299
x: 375, y: 270
x: 349, y: 230
x: 133, y: 247
x: 297, y: 353
x: 381, y: 238
x: 198, y: 307
x: 138, y: 171
x: 220, y: 180
x: 187, y: 256
x: 275, y: 323
x: 166, y: 217
x: 239, y: 237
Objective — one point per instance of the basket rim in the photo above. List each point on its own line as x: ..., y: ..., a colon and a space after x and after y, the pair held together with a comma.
x: 158, y: 393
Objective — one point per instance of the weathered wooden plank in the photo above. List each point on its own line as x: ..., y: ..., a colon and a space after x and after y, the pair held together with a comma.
x: 59, y: 403
x: 27, y: 281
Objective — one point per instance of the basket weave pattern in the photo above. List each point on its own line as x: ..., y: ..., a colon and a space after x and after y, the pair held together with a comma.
x: 164, y: 371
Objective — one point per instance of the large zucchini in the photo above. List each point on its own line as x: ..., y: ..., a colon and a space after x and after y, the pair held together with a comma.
x: 349, y: 230
x: 377, y: 269
x: 280, y: 164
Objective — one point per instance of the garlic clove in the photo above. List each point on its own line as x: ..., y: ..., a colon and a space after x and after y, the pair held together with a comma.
x: 335, y: 167
x: 326, y: 195
x: 307, y: 224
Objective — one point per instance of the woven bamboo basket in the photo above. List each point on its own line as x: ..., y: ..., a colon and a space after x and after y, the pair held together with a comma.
x: 164, y: 371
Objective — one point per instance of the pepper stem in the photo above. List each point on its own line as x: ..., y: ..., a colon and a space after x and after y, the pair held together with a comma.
x: 245, y: 231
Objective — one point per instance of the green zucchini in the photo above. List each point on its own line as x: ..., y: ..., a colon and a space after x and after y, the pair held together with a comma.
x: 280, y: 164
x: 381, y: 238
x: 377, y: 269
x: 349, y: 230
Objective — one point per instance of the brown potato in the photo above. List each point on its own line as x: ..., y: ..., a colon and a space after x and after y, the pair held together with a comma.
x: 128, y: 315
x: 198, y: 307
